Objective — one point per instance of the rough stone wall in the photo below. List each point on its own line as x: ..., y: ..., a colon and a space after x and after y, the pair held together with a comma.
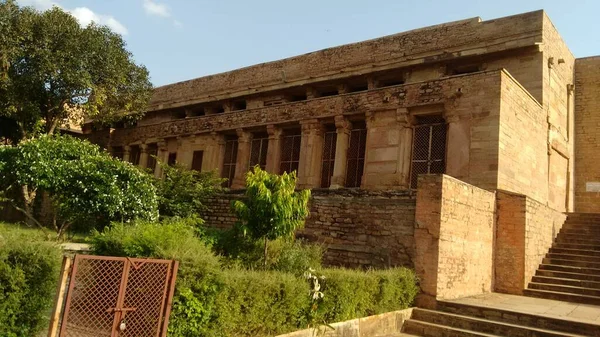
x: 358, y: 228
x: 460, y: 38
x: 525, y: 231
x: 523, y: 158
x: 587, y: 134
x: 454, y: 238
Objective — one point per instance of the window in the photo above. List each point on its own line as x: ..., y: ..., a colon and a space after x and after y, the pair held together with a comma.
x: 118, y: 152
x: 197, y: 160
x: 463, y: 69
x: 134, y: 155
x: 297, y: 98
x: 172, y: 158
x: 429, y: 147
x: 258, y: 152
x: 356, y: 154
x: 239, y: 105
x: 152, y: 153
x: 290, y: 152
x: 329, y: 143
x: 231, y: 148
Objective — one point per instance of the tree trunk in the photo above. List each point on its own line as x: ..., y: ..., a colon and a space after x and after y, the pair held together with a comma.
x: 266, y: 242
x: 28, y: 199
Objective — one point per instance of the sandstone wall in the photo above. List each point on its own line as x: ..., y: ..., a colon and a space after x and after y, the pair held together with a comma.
x: 446, y: 41
x: 359, y: 228
x: 454, y: 238
x: 587, y: 134
x: 525, y: 231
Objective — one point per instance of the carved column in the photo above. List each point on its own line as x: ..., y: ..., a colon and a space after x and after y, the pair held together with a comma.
x: 126, y: 153
x: 162, y: 157
x: 311, y: 153
x: 243, y: 158
x: 343, y: 128
x: 143, y: 155
x: 404, y: 147
x: 274, y: 149
x: 215, y: 158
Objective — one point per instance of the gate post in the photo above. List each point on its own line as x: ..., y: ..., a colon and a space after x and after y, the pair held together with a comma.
x: 60, y: 294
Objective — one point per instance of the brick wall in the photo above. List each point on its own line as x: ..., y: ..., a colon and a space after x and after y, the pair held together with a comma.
x: 454, y: 238
x: 525, y: 231
x: 359, y: 228
x: 587, y: 134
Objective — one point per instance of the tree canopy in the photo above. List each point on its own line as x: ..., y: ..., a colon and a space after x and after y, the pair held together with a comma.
x: 86, y: 185
x: 53, y: 72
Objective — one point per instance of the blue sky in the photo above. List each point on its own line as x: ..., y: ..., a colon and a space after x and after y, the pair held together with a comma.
x: 184, y: 39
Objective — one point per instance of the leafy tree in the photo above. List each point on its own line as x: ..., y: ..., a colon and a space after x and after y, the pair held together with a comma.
x: 271, y: 207
x: 85, y: 185
x: 53, y: 72
x: 181, y: 193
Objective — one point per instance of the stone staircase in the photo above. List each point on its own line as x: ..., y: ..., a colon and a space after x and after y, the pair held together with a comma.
x: 457, y: 320
x: 571, y: 270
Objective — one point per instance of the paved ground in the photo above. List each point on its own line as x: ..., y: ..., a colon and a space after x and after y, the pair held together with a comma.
x: 537, y: 306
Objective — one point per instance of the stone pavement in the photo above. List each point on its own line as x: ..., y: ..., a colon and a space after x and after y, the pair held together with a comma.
x: 584, y: 313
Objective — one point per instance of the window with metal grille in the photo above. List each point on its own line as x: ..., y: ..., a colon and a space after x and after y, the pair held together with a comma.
x: 152, y: 153
x: 429, y: 147
x: 258, y: 152
x: 231, y: 149
x: 134, y: 155
x: 356, y: 154
x: 329, y: 142
x: 197, y: 160
x: 290, y: 151
x: 172, y: 158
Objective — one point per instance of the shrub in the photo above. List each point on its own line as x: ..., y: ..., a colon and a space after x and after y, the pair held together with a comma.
x: 28, y: 275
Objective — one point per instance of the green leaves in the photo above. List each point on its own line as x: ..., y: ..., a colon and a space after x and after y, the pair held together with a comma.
x: 271, y: 208
x: 53, y: 70
x: 86, y: 185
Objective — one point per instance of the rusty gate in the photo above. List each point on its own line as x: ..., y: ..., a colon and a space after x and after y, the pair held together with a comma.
x: 118, y: 297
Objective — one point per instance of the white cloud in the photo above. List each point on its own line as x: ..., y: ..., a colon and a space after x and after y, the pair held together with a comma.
x: 84, y: 15
x: 158, y: 9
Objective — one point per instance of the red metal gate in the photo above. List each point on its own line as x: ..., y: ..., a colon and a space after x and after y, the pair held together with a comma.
x: 116, y: 296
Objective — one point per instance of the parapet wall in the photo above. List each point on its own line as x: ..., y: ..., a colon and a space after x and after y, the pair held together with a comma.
x: 359, y: 228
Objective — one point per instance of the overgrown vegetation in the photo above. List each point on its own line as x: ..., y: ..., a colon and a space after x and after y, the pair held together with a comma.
x: 214, y: 298
x: 85, y: 185
x: 271, y: 208
x: 29, y: 270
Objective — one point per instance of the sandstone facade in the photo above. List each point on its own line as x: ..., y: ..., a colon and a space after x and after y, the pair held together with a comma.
x: 496, y: 120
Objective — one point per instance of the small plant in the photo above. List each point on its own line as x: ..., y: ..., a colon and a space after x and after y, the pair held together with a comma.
x: 271, y: 208
x: 314, y: 318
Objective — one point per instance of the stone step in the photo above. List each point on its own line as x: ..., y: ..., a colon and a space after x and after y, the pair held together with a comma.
x: 567, y: 275
x: 571, y: 263
x: 584, y: 252
x: 425, y: 329
x: 480, y: 325
x: 520, y: 318
x: 566, y: 282
x: 570, y: 269
x: 583, y: 222
x: 559, y: 296
x: 575, y: 257
x: 559, y: 288
x: 579, y: 239
x: 578, y: 230
x: 576, y: 246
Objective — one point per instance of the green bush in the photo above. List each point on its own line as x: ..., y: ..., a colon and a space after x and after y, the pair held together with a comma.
x: 29, y: 272
x: 214, y: 300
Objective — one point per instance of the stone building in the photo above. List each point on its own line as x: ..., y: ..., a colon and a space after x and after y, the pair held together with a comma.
x: 497, y: 106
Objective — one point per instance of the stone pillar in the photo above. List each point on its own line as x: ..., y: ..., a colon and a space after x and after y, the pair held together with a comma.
x: 404, y: 147
x: 126, y: 153
x: 311, y: 93
x: 343, y: 128
x: 372, y: 83
x: 143, y: 155
x: 458, y: 145
x: 243, y: 158
x: 274, y: 149
x: 161, y: 157
x: 311, y: 153
x: 214, y: 159
x: 342, y: 89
